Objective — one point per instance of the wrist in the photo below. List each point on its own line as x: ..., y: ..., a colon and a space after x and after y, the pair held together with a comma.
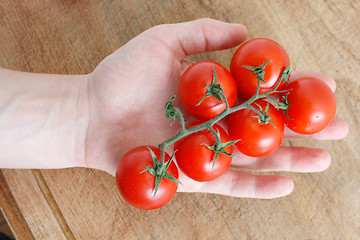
x: 79, y: 118
x: 43, y: 120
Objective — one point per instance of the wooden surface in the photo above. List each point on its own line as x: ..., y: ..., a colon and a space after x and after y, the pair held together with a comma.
x: 4, y: 227
x: 72, y: 37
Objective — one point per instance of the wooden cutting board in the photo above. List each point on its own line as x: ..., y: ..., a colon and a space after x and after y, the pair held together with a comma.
x: 72, y: 37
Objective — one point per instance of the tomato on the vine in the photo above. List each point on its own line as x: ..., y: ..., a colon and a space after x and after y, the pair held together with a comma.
x: 137, y: 187
x: 192, y: 89
x: 311, y: 105
x: 256, y: 139
x: 254, y: 53
x: 195, y: 159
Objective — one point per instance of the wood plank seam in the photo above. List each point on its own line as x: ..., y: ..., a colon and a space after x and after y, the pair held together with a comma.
x: 12, y: 212
x: 44, y: 188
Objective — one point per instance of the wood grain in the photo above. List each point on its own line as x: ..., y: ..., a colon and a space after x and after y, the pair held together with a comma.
x: 12, y: 212
x: 33, y: 217
x: 50, y: 200
x: 72, y: 37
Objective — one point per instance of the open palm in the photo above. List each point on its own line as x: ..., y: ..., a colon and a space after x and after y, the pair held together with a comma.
x: 128, y: 90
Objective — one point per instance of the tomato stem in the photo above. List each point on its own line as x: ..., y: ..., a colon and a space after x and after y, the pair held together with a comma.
x: 181, y: 118
x: 222, y: 94
x: 262, y: 115
x: 284, y: 105
x: 218, y: 141
x: 255, y: 110
x: 162, y: 158
x: 212, y: 90
x: 159, y: 170
x: 258, y: 71
x: 176, y: 113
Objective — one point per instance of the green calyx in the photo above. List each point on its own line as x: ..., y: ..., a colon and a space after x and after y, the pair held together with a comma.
x: 285, y: 74
x: 213, y: 90
x: 258, y: 71
x: 171, y: 111
x: 174, y: 113
x: 284, y: 105
x: 263, y: 115
x: 159, y: 171
x: 219, y: 147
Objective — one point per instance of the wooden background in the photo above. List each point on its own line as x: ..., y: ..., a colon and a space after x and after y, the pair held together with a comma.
x: 73, y: 36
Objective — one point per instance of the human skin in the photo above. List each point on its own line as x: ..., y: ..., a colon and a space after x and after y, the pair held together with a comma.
x: 60, y: 121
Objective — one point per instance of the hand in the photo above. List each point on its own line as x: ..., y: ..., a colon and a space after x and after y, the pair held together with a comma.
x: 292, y: 159
x: 128, y: 90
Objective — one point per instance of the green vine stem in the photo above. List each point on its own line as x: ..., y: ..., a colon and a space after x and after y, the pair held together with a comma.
x: 208, y: 125
x: 218, y: 141
x: 222, y: 94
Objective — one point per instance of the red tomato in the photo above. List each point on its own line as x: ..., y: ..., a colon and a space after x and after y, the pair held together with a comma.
x: 192, y: 89
x: 254, y: 53
x: 256, y: 139
x: 138, y: 188
x: 196, y: 160
x: 312, y: 105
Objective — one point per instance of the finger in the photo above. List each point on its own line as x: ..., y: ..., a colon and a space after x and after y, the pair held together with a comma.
x: 185, y: 65
x: 240, y: 184
x: 327, y: 79
x: 337, y: 129
x: 292, y: 159
x: 202, y: 35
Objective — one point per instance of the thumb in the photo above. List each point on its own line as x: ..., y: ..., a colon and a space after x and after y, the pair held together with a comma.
x: 202, y: 35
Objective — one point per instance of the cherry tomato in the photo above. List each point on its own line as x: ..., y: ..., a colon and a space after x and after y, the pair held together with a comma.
x: 311, y: 105
x: 192, y: 89
x: 254, y: 53
x: 138, y: 188
x: 196, y: 159
x: 256, y: 139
